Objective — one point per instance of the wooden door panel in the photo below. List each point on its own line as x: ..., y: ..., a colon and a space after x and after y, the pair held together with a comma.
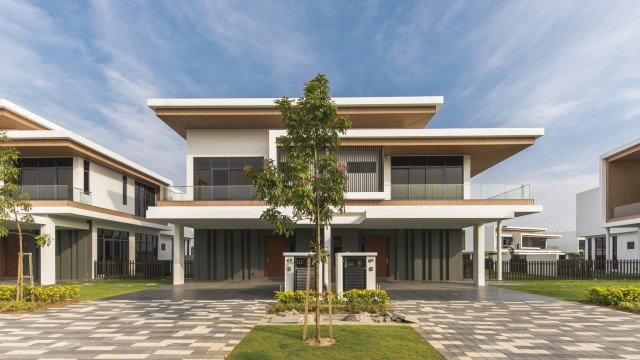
x: 10, y: 254
x: 274, y: 260
x: 380, y: 244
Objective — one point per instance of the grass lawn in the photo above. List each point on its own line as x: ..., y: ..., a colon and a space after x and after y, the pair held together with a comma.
x: 99, y: 289
x: 571, y: 290
x: 352, y: 342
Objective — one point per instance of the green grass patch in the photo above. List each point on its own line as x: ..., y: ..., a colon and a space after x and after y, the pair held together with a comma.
x: 99, y: 289
x: 352, y: 342
x: 570, y: 290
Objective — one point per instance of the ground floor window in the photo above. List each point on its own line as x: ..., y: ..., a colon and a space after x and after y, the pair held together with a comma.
x: 146, y: 247
x: 113, y: 245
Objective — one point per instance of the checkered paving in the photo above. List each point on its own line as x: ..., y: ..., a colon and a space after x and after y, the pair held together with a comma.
x: 129, y: 329
x: 547, y: 329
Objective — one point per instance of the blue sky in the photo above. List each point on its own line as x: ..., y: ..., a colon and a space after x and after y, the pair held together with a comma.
x: 570, y: 67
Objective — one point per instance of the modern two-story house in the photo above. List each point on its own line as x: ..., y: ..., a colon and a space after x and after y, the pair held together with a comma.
x: 522, y: 242
x: 410, y: 190
x: 609, y: 215
x: 91, y: 201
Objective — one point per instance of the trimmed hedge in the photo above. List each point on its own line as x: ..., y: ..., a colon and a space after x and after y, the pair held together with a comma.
x: 47, y: 294
x: 614, y: 295
x: 354, y: 301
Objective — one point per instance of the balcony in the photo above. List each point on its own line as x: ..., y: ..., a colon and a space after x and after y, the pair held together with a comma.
x: 56, y: 192
x: 626, y: 210
x: 204, y: 193
x: 460, y: 191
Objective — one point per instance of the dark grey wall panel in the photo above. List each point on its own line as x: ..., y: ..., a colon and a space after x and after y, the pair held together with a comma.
x: 73, y: 254
x: 456, y: 244
x: 228, y: 254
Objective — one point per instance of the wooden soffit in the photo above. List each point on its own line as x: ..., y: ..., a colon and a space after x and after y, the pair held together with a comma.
x: 181, y: 119
x: 12, y: 121
x: 66, y: 147
x: 484, y: 152
x: 630, y: 154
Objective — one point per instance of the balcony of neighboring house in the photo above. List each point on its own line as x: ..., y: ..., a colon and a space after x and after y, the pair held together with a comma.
x: 56, y: 192
x: 50, y: 179
x: 622, y: 190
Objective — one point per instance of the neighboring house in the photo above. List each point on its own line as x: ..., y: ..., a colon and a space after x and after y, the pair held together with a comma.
x: 409, y: 193
x: 569, y: 243
x: 528, y: 243
x: 90, y: 200
x: 609, y: 215
x: 165, y: 250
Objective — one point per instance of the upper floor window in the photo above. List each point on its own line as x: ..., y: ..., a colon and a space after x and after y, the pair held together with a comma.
x: 223, y: 178
x: 124, y: 189
x: 86, y: 176
x: 47, y: 178
x: 145, y: 196
x: 427, y: 177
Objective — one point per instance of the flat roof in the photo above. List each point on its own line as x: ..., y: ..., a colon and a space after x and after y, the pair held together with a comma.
x: 628, y: 151
x: 410, y: 112
x: 43, y: 129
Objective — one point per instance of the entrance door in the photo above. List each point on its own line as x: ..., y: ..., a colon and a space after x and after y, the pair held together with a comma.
x: 380, y: 244
x: 10, y: 253
x: 274, y: 260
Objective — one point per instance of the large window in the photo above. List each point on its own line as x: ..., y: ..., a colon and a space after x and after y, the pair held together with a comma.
x: 146, y: 247
x: 113, y: 245
x: 427, y: 177
x: 47, y: 178
x: 145, y: 196
x: 223, y: 178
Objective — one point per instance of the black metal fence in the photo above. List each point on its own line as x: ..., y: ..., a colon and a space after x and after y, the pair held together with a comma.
x: 188, y: 269
x: 148, y: 269
x: 518, y: 269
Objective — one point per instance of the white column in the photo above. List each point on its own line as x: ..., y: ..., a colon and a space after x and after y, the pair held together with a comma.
x: 327, y: 247
x: 608, y: 250
x: 48, y: 254
x: 592, y: 248
x: 499, y: 250
x: 178, y: 254
x: 478, y: 255
x: 94, y: 248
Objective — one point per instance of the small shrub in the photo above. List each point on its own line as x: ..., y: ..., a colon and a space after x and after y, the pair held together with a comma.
x: 629, y: 306
x: 7, y: 292
x: 45, y: 294
x: 614, y: 295
x: 373, y: 301
x: 16, y: 306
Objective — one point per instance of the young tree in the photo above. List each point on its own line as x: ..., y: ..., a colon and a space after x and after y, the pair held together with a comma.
x: 15, y: 206
x: 310, y: 184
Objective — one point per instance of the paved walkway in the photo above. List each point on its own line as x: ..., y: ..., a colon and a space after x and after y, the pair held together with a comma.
x: 464, y: 322
x: 155, y: 324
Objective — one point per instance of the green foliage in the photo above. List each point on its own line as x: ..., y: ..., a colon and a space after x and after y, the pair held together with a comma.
x: 44, y: 294
x: 629, y: 306
x: 614, y: 295
x: 311, y: 181
x: 360, y: 300
x: 353, y: 301
x: 16, y: 306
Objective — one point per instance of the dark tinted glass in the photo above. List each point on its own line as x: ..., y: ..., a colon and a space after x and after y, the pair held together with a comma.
x: 64, y: 162
x: 29, y: 177
x: 255, y: 161
x: 201, y: 163
x: 454, y: 161
x: 202, y: 177
x: 436, y: 161
x: 453, y: 175
x: 399, y: 161
x: 435, y: 175
x: 399, y: 176
x: 220, y: 177
x: 418, y: 161
x: 236, y: 177
x: 65, y: 176
x: 236, y: 162
x: 30, y: 162
x: 220, y: 162
x: 417, y: 175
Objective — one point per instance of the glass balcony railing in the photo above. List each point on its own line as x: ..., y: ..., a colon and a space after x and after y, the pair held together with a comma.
x: 199, y: 193
x: 626, y: 210
x: 56, y: 192
x: 460, y: 191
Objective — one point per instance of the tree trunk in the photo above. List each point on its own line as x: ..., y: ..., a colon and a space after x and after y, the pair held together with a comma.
x: 318, y: 282
x: 20, y: 280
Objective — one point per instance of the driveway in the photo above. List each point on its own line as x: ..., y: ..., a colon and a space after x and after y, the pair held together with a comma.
x: 465, y: 322
x: 195, y: 321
